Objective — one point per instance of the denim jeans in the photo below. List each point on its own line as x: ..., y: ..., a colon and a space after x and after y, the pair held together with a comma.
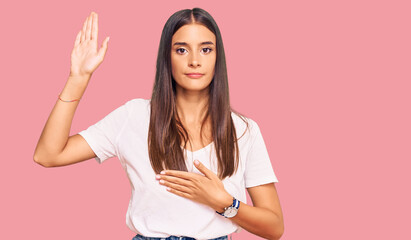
x: 141, y: 237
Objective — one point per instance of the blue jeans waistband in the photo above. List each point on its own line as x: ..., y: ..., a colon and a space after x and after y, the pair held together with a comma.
x: 141, y: 237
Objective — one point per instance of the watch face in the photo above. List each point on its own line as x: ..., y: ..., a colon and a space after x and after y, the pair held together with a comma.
x: 230, y: 212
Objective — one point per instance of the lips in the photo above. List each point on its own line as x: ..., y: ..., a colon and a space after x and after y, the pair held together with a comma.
x: 194, y: 75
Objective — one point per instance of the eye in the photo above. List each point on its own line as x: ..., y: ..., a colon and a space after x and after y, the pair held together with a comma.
x: 179, y: 49
x: 208, y: 49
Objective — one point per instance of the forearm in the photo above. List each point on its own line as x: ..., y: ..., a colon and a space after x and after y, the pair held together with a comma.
x: 57, y: 128
x: 259, y: 221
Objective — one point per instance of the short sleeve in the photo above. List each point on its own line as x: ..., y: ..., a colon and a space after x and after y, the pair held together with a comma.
x: 102, y: 136
x: 258, y: 169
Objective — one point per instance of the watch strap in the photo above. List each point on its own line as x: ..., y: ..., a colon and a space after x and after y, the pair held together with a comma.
x: 222, y: 213
x: 235, y: 204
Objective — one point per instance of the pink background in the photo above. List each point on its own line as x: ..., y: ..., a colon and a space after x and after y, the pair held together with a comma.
x: 328, y: 82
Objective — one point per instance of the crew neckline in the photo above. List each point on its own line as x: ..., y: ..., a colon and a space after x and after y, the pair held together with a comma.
x: 201, y: 149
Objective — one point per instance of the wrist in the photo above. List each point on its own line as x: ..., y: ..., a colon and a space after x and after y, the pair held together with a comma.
x: 226, y: 202
x: 78, y: 79
x: 80, y: 75
x: 74, y: 88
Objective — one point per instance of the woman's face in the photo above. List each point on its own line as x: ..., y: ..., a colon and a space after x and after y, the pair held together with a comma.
x: 193, y: 50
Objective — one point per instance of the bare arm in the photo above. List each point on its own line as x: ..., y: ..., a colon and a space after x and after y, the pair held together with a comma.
x: 55, y: 147
x: 265, y: 218
x: 55, y: 134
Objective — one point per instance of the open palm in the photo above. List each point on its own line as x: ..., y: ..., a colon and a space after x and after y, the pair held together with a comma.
x: 85, y: 57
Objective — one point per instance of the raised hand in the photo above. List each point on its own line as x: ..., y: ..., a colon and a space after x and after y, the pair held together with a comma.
x: 85, y: 57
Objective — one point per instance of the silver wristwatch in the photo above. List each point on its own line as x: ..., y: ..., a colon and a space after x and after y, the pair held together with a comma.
x: 231, y: 210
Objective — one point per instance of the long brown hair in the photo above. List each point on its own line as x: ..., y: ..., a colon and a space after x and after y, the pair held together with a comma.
x: 166, y: 130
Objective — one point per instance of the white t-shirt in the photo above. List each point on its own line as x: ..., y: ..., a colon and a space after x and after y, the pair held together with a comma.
x: 152, y: 210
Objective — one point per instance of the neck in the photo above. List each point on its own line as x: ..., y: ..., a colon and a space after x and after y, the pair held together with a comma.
x: 192, y: 105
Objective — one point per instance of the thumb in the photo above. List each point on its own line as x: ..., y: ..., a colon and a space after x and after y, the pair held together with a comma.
x: 103, y: 49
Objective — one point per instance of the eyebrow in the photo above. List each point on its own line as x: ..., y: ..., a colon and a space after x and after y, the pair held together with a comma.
x: 185, y: 44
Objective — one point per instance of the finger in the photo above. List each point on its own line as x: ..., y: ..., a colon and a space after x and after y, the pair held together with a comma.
x: 94, y: 33
x: 180, y: 174
x: 88, y: 30
x: 175, y: 186
x: 103, y: 49
x: 176, y: 180
x: 180, y: 193
x: 77, y: 38
x: 207, y: 172
x: 83, y: 31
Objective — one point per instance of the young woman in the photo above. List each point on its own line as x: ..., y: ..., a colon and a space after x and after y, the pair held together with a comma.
x: 179, y: 190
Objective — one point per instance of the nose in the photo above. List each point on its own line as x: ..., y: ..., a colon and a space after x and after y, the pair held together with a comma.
x: 194, y: 60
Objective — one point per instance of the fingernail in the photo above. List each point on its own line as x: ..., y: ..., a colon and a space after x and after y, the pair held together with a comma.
x: 196, y: 162
x: 163, y: 172
x: 158, y: 176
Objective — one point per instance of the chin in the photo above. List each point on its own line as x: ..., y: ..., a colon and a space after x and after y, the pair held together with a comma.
x: 194, y: 87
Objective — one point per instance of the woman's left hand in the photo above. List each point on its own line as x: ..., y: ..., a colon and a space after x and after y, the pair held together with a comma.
x: 208, y: 189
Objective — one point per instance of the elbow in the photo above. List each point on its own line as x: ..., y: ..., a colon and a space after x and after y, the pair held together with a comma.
x: 41, y: 162
x: 277, y: 236
x: 279, y: 229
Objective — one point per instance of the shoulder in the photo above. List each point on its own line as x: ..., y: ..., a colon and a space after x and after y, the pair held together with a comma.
x: 136, y: 102
x: 130, y: 108
x: 137, y: 105
x: 244, y: 125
